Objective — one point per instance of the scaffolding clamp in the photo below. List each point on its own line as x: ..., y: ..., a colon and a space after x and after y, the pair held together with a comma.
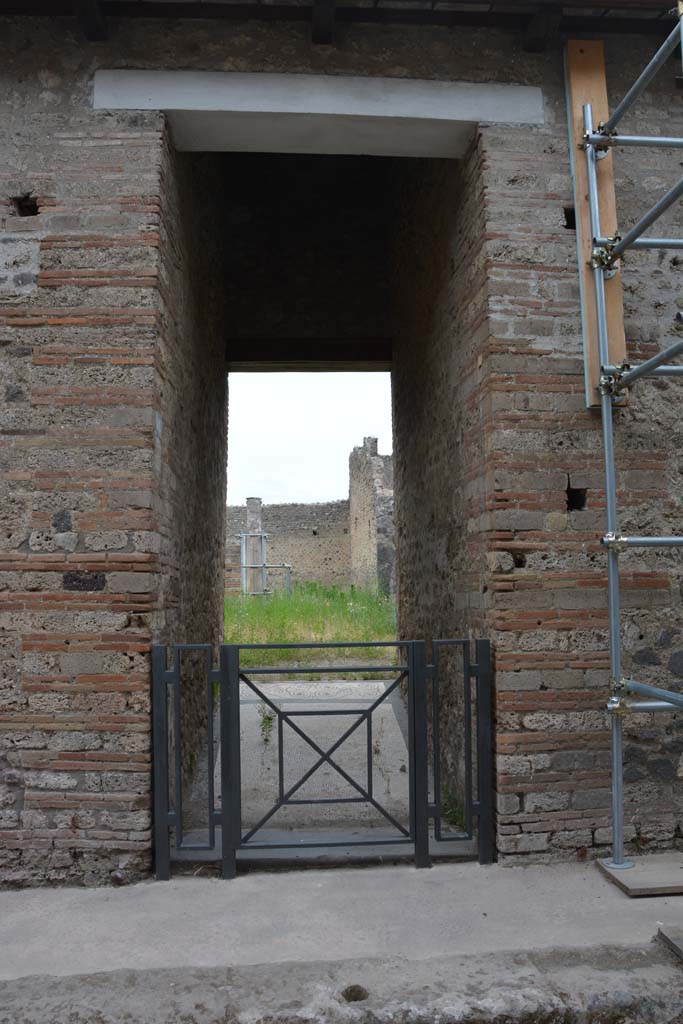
x: 602, y: 254
x: 608, y: 384
x: 612, y: 383
x: 614, y: 542
x: 617, y: 375
x: 589, y: 140
x: 600, y: 257
x: 616, y: 705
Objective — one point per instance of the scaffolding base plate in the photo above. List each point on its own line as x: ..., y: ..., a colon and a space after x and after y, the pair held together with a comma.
x: 672, y: 937
x: 658, y: 874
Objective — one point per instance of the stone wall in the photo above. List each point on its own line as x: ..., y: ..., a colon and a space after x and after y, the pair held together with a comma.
x: 439, y: 415
x: 336, y: 543
x: 233, y: 580
x: 80, y: 558
x: 101, y: 410
x: 100, y: 426
x: 313, y: 539
x: 191, y: 424
x: 492, y: 464
x: 547, y: 587
x: 371, y: 517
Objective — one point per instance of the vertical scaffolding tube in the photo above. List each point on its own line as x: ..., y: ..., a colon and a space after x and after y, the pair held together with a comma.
x: 611, y: 510
x: 243, y: 563
x: 264, y: 570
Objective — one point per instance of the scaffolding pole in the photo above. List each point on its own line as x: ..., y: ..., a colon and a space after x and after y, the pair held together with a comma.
x: 643, y: 80
x: 614, y: 379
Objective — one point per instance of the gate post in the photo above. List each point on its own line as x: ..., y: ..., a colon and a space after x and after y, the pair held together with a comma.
x: 162, y: 842
x: 485, y: 752
x: 420, y: 673
x: 231, y: 810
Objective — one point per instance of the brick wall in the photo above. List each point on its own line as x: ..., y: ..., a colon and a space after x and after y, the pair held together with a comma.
x: 440, y: 408
x: 100, y: 413
x: 500, y: 380
x: 191, y: 423
x: 78, y: 549
x: 96, y: 543
x: 547, y: 589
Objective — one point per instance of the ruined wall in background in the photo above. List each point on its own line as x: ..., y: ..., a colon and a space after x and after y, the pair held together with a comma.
x: 313, y: 539
x: 336, y: 543
x: 371, y: 517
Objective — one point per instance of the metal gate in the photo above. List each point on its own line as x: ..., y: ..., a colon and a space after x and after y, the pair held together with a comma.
x: 457, y: 676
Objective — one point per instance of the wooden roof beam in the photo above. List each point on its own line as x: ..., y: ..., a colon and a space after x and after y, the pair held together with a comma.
x: 91, y: 19
x: 322, y: 29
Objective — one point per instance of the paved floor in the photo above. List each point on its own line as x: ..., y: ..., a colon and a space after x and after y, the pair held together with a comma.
x: 322, y: 915
x: 323, y: 710
x: 375, y: 753
x: 603, y: 985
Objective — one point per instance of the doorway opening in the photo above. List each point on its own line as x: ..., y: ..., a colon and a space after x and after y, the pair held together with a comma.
x: 360, y: 264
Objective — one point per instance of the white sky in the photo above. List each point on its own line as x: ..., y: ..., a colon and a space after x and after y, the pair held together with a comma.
x: 291, y: 434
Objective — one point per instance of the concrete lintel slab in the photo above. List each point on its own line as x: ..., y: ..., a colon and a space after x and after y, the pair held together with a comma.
x: 262, y: 112
x: 658, y: 874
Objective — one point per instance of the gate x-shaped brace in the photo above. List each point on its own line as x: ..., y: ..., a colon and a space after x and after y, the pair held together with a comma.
x: 325, y: 756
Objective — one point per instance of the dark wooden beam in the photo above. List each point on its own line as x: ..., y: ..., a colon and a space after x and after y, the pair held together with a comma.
x: 322, y: 29
x: 508, y: 20
x: 541, y: 31
x: 91, y: 19
x: 268, y: 355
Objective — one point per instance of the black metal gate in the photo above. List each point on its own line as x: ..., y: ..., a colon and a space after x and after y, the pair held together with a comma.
x: 422, y: 687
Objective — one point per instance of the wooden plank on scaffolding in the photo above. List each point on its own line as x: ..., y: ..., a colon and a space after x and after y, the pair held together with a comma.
x: 586, y: 83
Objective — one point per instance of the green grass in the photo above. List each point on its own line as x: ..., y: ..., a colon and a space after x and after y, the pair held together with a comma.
x: 312, y: 613
x: 452, y: 810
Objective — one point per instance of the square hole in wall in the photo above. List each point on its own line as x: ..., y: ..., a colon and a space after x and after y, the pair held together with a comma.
x: 576, y: 497
x: 25, y: 205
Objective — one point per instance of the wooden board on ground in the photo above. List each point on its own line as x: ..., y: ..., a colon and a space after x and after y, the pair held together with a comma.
x: 586, y: 83
x: 658, y: 874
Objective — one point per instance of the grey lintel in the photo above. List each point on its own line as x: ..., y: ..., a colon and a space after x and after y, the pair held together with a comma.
x: 216, y: 111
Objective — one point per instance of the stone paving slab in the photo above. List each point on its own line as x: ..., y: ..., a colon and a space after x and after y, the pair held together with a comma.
x: 321, y: 914
x: 673, y: 938
x: 657, y: 874
x: 638, y: 985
